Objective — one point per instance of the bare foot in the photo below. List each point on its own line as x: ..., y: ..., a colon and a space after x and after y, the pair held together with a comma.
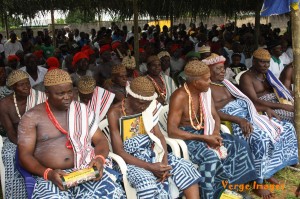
x: 263, y: 193
x: 273, y: 180
x: 298, y: 191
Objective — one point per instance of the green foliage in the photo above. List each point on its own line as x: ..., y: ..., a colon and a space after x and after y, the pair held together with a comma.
x: 60, y: 21
x: 76, y: 16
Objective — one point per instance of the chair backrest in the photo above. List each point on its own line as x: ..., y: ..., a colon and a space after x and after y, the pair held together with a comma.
x: 238, y: 76
x: 2, y: 169
x: 163, y: 118
x: 28, y: 178
x: 103, y: 126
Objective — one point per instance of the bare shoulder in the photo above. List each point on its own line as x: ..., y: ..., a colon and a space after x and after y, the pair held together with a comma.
x: 178, y: 95
x: 35, y: 114
x: 114, y: 109
x: 6, y: 103
x: 246, y: 75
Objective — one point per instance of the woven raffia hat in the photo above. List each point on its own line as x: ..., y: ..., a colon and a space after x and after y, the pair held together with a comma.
x: 86, y: 85
x: 196, y: 68
x: 16, y: 76
x: 129, y: 62
x: 56, y: 77
x: 262, y: 54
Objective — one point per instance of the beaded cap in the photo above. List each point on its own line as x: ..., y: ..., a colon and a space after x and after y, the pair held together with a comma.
x: 16, y: 76
x: 86, y: 85
x: 56, y: 77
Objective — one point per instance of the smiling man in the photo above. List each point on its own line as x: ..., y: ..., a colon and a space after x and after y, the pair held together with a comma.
x: 193, y: 118
x: 50, y: 146
x: 264, y: 89
x: 12, y: 109
x: 265, y: 136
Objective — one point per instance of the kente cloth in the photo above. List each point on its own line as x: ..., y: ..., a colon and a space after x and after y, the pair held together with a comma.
x: 237, y: 167
x: 82, y: 126
x: 272, y: 128
x: 100, y: 103
x: 282, y: 93
x: 283, y: 114
x: 105, y: 188
x: 269, y: 157
x: 184, y: 174
x: 14, y: 182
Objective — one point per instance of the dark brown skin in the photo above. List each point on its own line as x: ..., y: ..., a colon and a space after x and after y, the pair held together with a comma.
x: 41, y: 145
x: 222, y: 97
x: 287, y: 77
x: 159, y: 169
x: 254, y: 88
x: 179, y: 113
x: 8, y: 114
x: 118, y: 85
x: 154, y: 69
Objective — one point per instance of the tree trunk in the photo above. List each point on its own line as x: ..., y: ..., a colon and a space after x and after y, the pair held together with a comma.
x: 6, y: 25
x: 136, y: 33
x: 171, y: 19
x: 295, y: 15
x: 53, y: 26
x: 257, y: 23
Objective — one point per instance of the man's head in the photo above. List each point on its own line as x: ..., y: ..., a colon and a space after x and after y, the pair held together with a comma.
x: 13, y: 61
x: 236, y: 59
x: 59, y: 89
x: 80, y: 61
x: 18, y: 80
x: 141, y: 93
x: 13, y: 37
x: 86, y: 87
x: 129, y: 62
x: 197, y: 75
x: 216, y: 66
x: 30, y: 62
x: 261, y: 60
x: 153, y: 65
x: 52, y: 63
x: 119, y: 75
x: 165, y: 60
x: 275, y: 48
x: 204, y: 52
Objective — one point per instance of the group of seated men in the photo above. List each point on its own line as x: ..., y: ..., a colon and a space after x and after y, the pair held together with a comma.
x: 54, y: 134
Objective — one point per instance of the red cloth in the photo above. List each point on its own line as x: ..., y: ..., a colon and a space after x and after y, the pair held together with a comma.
x: 141, y: 50
x: 174, y: 47
x: 115, y: 45
x: 38, y: 53
x: 52, y: 63
x: 85, y: 47
x: 13, y: 57
x: 104, y: 48
x: 88, y: 52
x: 78, y: 56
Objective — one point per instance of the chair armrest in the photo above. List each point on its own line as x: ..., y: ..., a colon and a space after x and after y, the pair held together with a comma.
x: 224, y: 129
x: 184, y: 149
x: 174, y: 146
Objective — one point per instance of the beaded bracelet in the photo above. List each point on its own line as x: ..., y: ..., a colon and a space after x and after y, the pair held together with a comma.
x: 46, y: 173
x: 101, y: 157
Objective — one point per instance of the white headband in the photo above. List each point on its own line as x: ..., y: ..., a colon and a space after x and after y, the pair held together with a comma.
x: 216, y: 60
x: 137, y: 96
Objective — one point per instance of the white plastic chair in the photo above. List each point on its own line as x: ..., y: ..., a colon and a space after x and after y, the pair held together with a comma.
x: 130, y: 191
x: 2, y: 169
x: 163, y: 118
x: 238, y: 76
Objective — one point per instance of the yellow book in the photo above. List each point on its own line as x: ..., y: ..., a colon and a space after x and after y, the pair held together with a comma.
x: 131, y: 126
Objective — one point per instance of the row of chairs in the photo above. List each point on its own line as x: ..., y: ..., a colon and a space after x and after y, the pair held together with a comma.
x: 178, y: 147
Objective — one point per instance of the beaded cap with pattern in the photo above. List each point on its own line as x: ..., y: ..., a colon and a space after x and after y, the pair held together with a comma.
x: 142, y: 86
x: 16, y: 76
x: 262, y: 54
x: 214, y: 59
x: 86, y: 85
x: 56, y: 77
x: 129, y: 62
x: 163, y: 54
x: 118, y: 69
x: 196, y: 68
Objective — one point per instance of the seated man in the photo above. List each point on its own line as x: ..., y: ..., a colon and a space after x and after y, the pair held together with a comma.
x: 12, y: 108
x: 81, y: 65
x: 98, y: 100
x: 193, y: 118
x: 150, y: 169
x: 264, y: 89
x: 51, y: 155
x: 164, y: 85
x: 117, y: 82
x: 270, y: 153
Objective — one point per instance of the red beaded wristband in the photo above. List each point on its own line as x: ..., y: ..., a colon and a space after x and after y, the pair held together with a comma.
x: 101, y: 157
x: 46, y: 173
